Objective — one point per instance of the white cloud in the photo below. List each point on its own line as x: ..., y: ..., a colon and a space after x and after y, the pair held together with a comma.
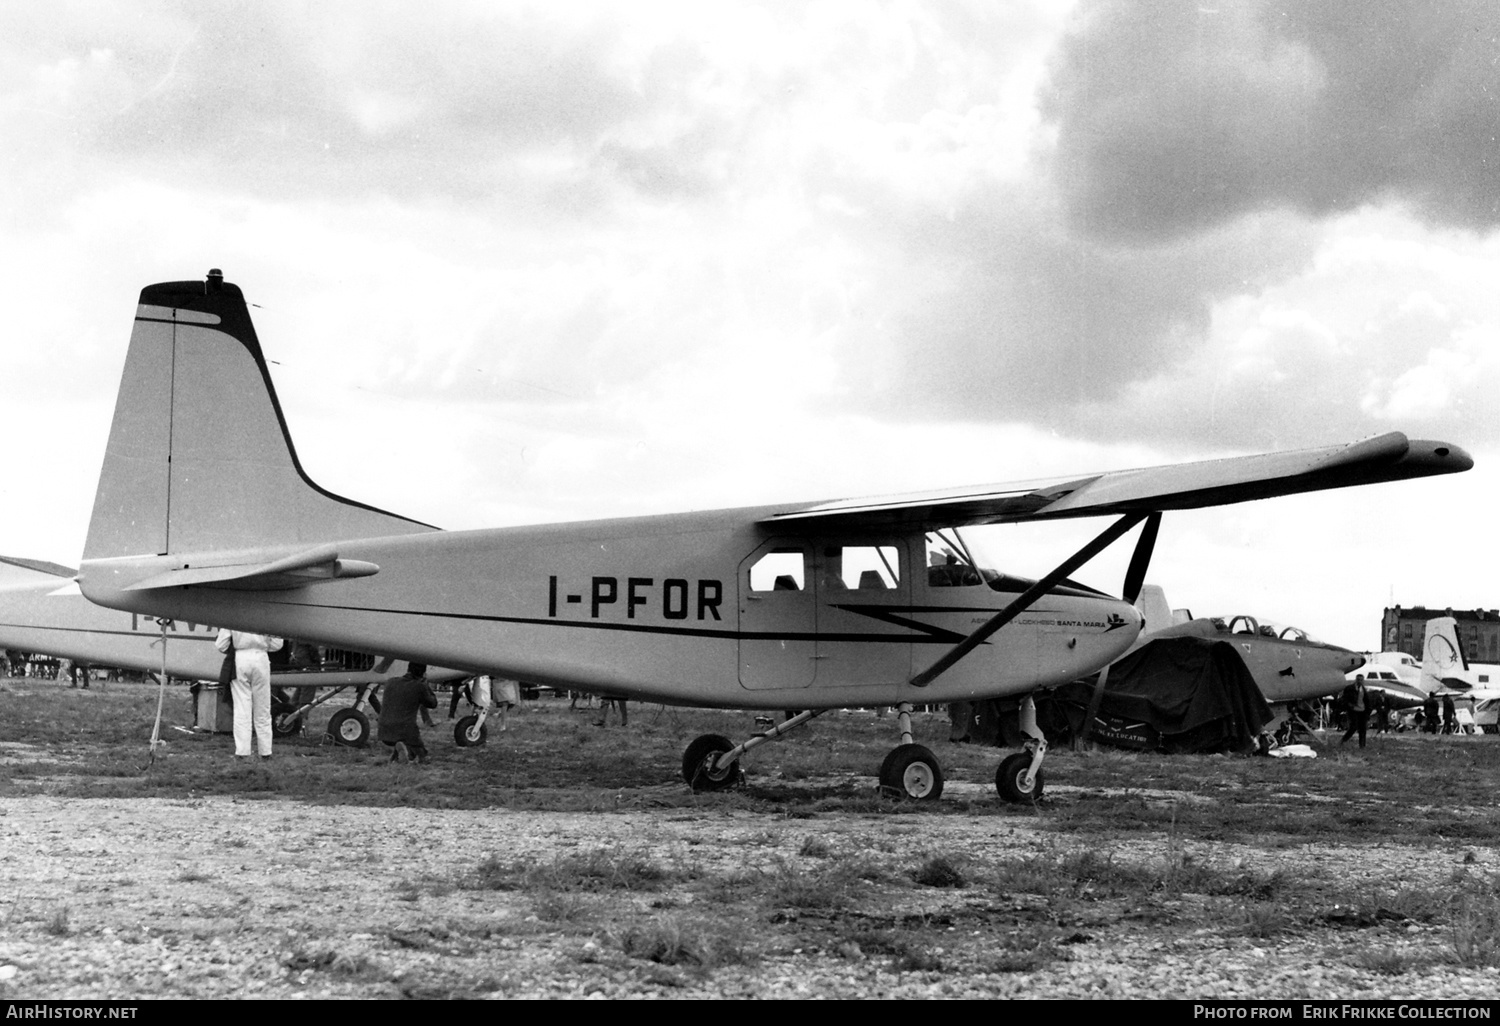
x: 533, y: 262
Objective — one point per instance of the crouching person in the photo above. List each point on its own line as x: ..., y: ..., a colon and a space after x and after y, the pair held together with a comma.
x: 403, y: 698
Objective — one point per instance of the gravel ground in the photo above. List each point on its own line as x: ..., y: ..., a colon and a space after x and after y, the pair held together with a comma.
x: 225, y: 897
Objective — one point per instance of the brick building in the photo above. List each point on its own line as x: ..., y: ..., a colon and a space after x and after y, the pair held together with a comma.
x: 1402, y: 630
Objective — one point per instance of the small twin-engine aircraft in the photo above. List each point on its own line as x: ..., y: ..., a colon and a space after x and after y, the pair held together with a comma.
x: 1288, y: 664
x: 204, y: 512
x: 43, y: 612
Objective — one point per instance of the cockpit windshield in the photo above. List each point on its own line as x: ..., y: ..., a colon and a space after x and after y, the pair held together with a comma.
x: 949, y: 562
x: 952, y: 562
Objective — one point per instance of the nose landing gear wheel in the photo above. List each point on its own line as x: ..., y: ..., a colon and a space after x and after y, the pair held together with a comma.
x: 350, y: 728
x: 1010, y: 779
x: 698, y: 759
x: 912, y: 771
x: 469, y: 732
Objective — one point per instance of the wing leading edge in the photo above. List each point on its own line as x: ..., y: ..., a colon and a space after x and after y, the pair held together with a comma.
x: 1388, y: 457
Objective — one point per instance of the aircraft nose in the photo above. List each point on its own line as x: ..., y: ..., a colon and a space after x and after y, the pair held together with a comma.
x: 1125, y: 621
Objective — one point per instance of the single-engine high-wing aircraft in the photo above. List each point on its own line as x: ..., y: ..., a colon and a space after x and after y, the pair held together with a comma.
x: 203, y: 512
x: 42, y: 612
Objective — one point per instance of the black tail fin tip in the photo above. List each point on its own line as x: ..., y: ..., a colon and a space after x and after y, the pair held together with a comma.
x: 199, y: 456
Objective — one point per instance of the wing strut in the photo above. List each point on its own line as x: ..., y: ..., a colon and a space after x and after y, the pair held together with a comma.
x: 1135, y: 579
x: 1028, y: 597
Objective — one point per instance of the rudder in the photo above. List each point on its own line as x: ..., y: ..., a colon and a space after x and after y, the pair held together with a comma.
x: 1443, y: 662
x: 199, y: 457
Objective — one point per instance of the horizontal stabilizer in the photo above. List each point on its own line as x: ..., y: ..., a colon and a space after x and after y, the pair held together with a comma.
x: 1388, y: 457
x: 40, y: 566
x: 295, y: 571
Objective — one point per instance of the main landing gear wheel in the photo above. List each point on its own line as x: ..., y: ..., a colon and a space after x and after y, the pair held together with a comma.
x: 911, y: 771
x: 469, y: 732
x: 350, y: 728
x: 283, y: 723
x: 1010, y: 779
x: 698, y: 759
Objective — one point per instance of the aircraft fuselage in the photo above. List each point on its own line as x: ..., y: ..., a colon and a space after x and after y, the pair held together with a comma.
x: 1287, y: 669
x: 707, y: 609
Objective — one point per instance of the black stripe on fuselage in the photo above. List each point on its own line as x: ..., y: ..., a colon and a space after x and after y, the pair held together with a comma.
x: 153, y: 635
x: 930, y: 635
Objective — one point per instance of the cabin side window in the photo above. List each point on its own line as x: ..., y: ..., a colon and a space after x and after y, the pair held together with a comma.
x: 780, y: 570
x: 868, y: 568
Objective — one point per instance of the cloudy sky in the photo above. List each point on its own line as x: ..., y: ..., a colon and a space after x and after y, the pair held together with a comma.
x: 520, y: 263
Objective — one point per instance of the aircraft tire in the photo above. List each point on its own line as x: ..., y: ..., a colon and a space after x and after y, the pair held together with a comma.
x: 283, y: 723
x: 1010, y: 778
x: 912, y: 771
x: 350, y: 728
x: 464, y: 734
x: 697, y: 758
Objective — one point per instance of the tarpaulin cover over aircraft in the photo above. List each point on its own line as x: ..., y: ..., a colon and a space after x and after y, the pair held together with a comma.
x: 1171, y: 695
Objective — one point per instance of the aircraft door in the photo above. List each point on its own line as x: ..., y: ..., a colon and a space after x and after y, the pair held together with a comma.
x: 864, y: 606
x: 778, y: 617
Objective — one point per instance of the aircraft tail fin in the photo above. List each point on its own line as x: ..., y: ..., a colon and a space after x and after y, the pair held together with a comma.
x: 1156, y: 613
x: 1443, y: 662
x: 199, y: 457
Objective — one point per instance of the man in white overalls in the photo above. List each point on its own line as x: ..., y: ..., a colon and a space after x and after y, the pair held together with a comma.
x: 252, y: 687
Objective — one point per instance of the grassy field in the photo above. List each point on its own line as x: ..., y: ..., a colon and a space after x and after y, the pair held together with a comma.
x: 94, y: 743
x: 1128, y: 842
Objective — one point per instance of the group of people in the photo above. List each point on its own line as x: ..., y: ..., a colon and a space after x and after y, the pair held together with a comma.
x: 1429, y: 721
x: 607, y: 705
x: 248, y: 670
x: 1365, y: 706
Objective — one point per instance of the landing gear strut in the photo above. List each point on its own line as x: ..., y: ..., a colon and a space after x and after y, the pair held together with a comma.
x: 712, y: 762
x: 910, y: 771
x: 470, y: 731
x: 1019, y: 778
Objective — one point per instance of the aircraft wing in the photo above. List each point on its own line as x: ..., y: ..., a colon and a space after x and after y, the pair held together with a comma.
x: 1388, y: 457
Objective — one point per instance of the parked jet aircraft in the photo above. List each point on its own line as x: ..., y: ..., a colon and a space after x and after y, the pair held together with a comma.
x: 204, y: 512
x: 43, y: 612
x: 1288, y: 664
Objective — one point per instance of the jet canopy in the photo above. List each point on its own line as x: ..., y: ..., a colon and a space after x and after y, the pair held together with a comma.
x: 1262, y: 628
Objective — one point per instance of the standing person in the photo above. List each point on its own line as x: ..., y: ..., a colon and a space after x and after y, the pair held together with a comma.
x: 461, y: 689
x: 251, y: 687
x: 608, y: 702
x: 1357, y: 702
x: 1430, y: 715
x: 1450, y: 716
x: 505, y: 695
x: 403, y: 698
x: 1379, y: 714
